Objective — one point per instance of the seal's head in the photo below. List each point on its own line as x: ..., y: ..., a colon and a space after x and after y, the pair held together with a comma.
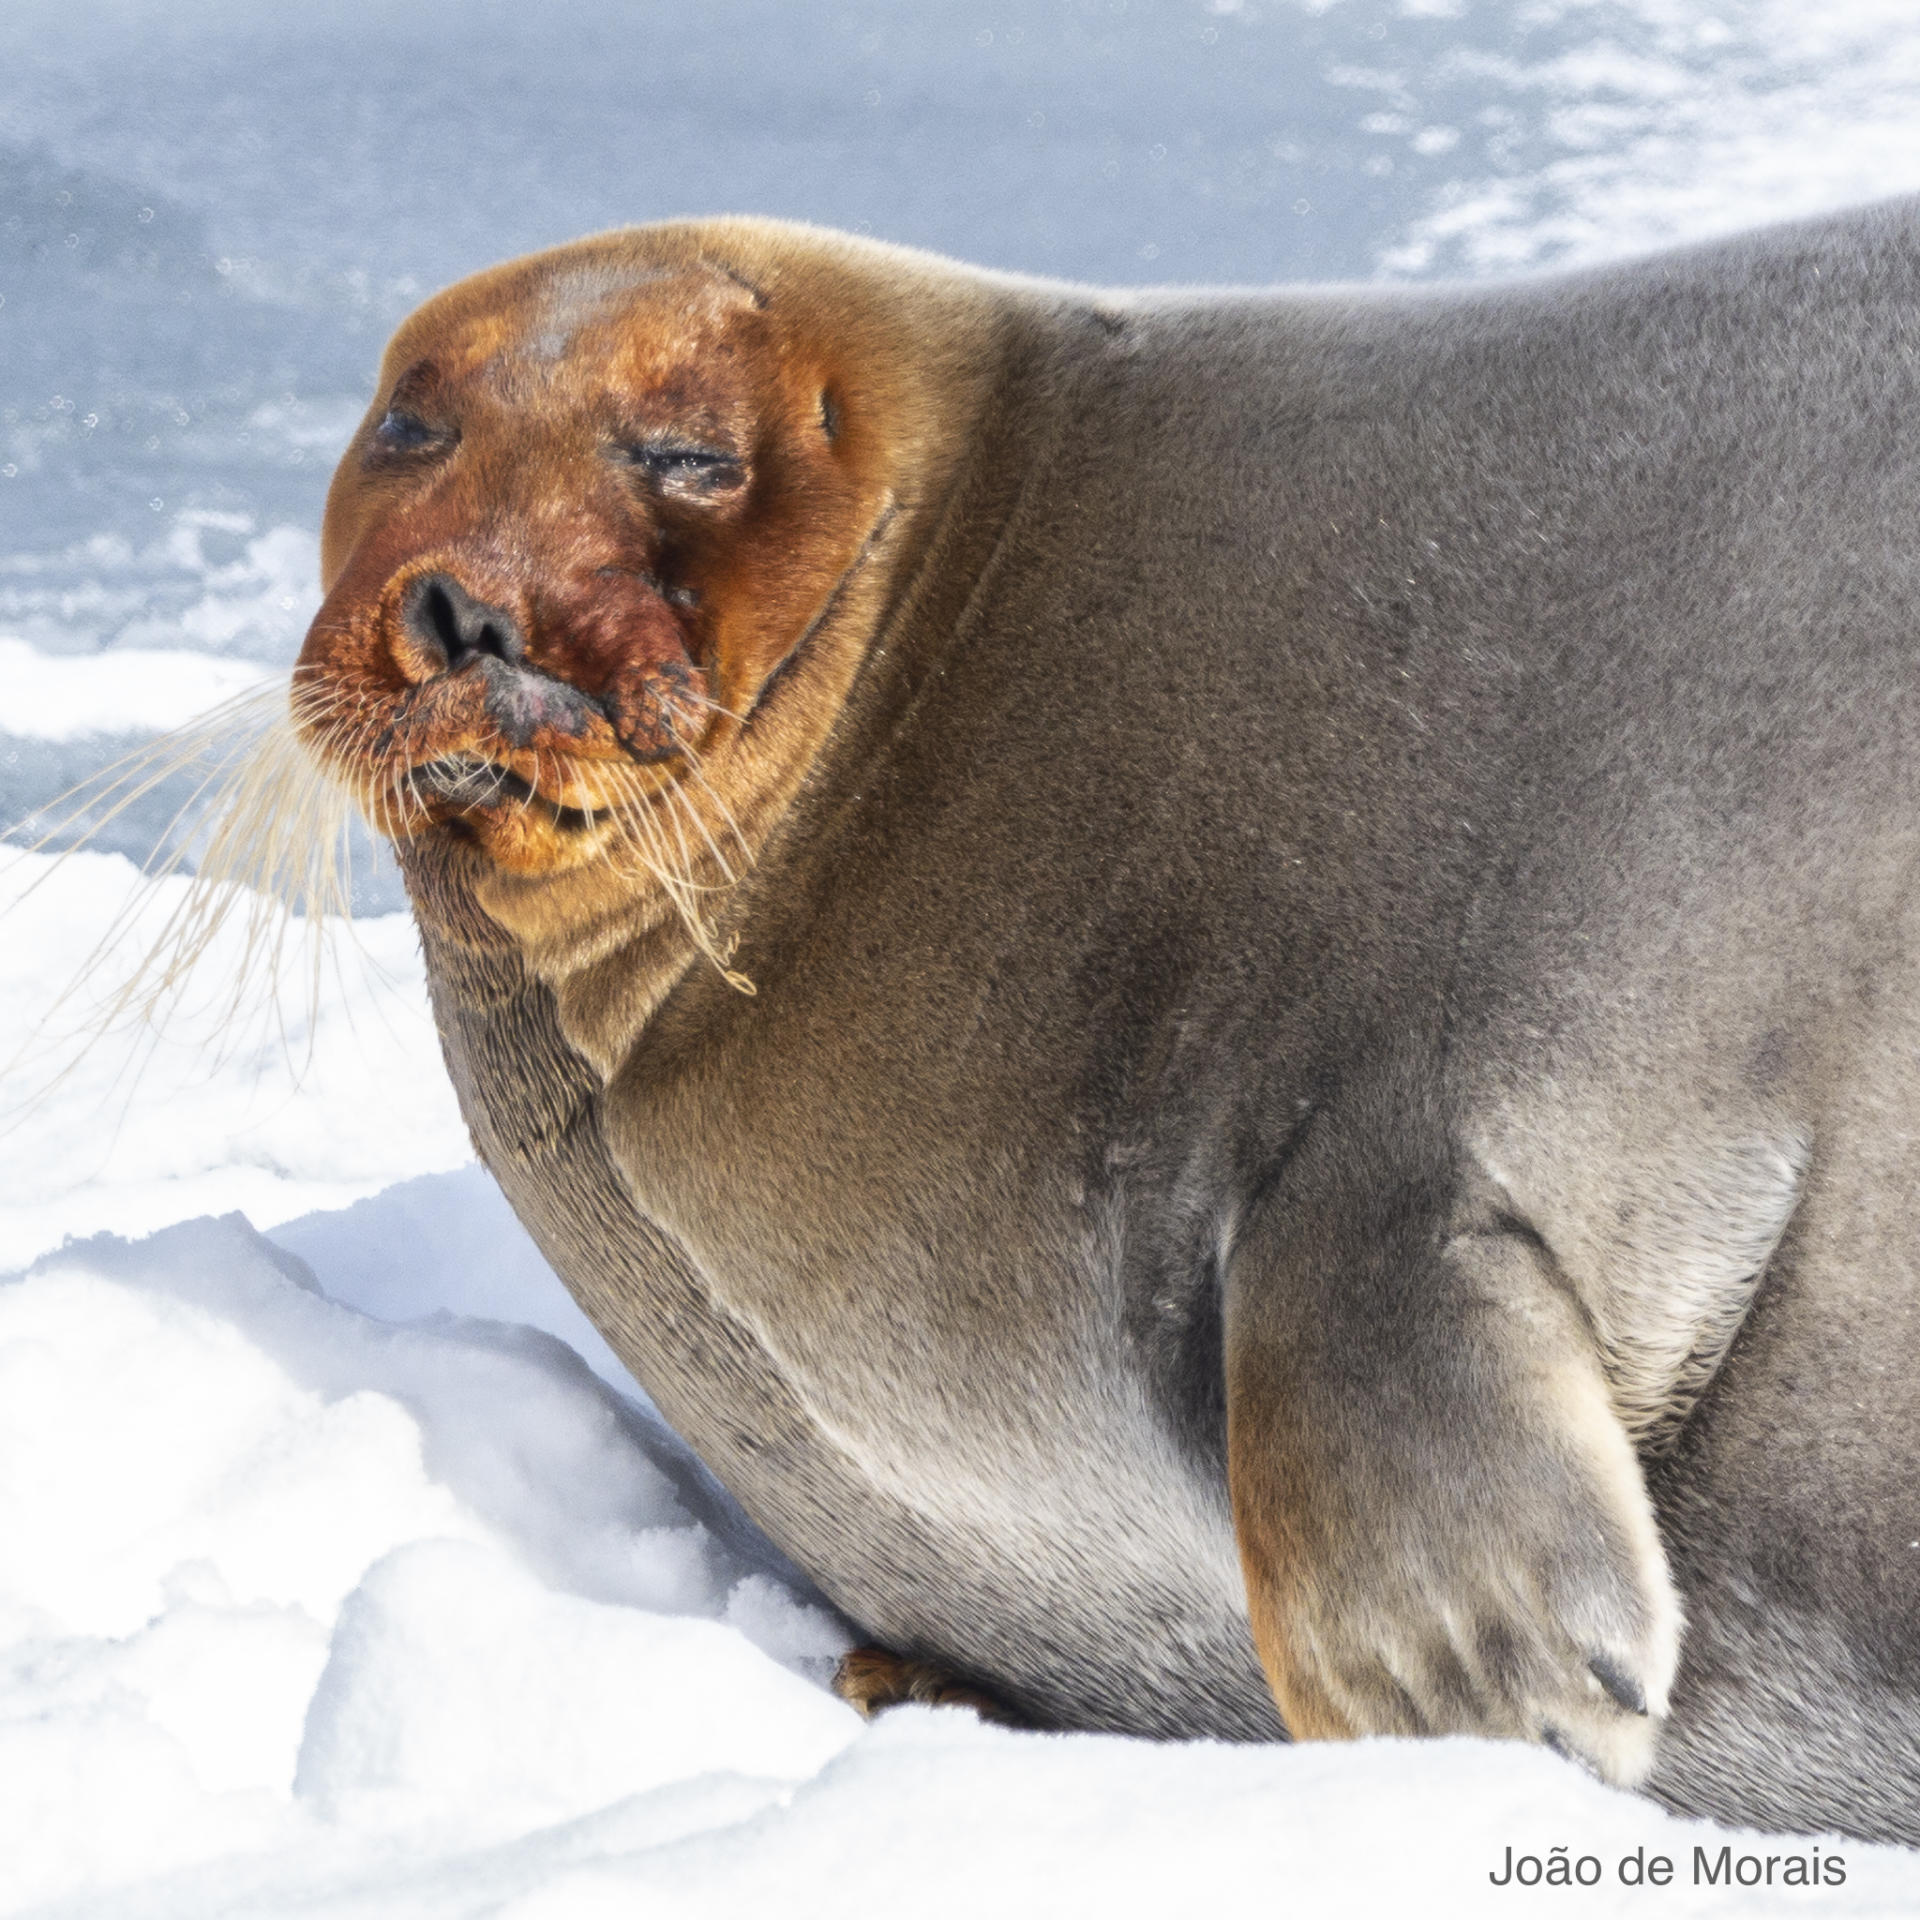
x: 593, y: 561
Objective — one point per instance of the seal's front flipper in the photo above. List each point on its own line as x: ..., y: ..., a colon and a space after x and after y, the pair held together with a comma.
x: 1443, y: 1524
x: 871, y: 1679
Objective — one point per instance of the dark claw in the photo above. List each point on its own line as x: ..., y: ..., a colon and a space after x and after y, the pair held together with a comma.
x: 1622, y: 1688
x: 1557, y: 1742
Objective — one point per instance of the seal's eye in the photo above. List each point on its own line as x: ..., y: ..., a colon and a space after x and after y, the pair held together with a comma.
x: 701, y: 473
x: 403, y: 432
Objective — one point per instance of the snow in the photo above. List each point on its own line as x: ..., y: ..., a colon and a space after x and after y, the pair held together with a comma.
x: 338, y: 1579
x: 342, y: 1570
x: 426, y: 1619
x: 143, y: 690
x: 263, y: 1107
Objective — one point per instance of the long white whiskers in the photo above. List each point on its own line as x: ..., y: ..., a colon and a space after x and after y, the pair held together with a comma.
x: 272, y: 831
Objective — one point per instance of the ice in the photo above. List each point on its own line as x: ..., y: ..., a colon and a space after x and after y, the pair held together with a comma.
x: 1653, y: 123
x: 380, y: 1620
x: 131, y: 692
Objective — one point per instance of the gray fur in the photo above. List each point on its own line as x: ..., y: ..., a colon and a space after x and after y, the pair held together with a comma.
x: 1459, y: 745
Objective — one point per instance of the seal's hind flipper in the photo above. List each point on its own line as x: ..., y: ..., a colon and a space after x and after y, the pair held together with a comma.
x: 871, y: 1680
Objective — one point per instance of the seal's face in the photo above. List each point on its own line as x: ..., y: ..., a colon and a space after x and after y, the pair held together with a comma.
x: 588, y: 520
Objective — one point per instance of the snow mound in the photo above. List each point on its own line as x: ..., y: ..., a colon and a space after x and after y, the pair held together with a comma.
x: 461, y: 1689
x: 444, y: 1243
x: 280, y: 1579
x: 325, y: 1085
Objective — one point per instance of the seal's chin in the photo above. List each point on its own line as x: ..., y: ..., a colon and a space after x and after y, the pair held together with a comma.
x: 528, y: 840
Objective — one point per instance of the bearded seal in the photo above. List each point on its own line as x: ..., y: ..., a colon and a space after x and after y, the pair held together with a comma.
x: 1220, y: 989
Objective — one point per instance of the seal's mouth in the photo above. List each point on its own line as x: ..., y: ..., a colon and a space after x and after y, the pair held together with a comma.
x: 526, y: 710
x: 577, y: 584
x: 468, y: 783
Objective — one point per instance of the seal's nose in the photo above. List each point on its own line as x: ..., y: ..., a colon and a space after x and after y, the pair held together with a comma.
x: 445, y: 619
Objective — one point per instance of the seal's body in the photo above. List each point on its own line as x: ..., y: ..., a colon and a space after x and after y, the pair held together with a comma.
x: 1327, y: 1111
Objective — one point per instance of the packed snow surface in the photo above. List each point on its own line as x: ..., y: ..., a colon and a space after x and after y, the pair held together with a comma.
x: 276, y: 1096
x: 302, y: 1612
x: 342, y: 1570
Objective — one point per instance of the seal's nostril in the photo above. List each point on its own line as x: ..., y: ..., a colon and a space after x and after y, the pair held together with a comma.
x: 439, y: 612
x: 446, y: 619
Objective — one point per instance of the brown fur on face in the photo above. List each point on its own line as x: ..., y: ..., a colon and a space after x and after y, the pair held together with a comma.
x: 643, y: 468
